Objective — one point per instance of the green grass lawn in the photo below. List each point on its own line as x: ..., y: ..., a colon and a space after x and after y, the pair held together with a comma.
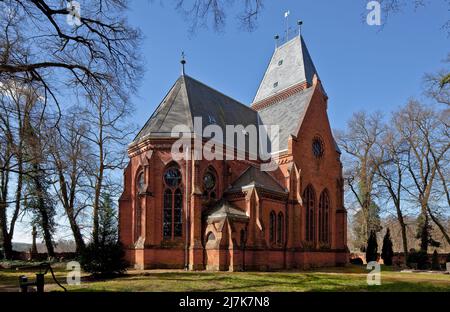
x: 350, y: 278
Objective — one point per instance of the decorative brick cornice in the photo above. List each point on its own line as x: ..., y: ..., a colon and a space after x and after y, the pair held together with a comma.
x: 280, y: 96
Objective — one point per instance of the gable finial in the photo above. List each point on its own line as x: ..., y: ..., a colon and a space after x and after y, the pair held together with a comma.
x: 183, y: 62
x: 299, y: 24
x: 276, y: 37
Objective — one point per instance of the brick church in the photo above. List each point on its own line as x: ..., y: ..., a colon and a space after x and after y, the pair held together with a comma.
x: 224, y: 214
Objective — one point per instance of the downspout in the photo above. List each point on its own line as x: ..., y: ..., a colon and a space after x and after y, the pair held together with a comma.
x: 286, y: 229
x: 186, y: 243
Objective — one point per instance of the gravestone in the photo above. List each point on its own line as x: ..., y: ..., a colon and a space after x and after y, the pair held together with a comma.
x: 448, y: 267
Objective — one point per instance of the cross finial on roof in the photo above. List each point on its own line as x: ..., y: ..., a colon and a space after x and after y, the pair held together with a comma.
x: 183, y: 62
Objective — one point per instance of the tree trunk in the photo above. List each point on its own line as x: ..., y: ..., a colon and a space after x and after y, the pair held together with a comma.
x: 96, y: 208
x: 4, y: 235
x: 68, y: 207
x: 79, y: 242
x: 45, y: 219
x: 401, y: 221
x: 440, y: 226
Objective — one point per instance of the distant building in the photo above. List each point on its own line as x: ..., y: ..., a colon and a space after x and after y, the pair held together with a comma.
x: 229, y: 214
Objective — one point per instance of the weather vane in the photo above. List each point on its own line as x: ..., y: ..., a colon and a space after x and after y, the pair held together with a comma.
x: 286, y: 17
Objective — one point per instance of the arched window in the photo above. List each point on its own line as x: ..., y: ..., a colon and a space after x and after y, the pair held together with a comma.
x: 243, y: 237
x: 210, y: 184
x: 317, y: 147
x: 280, y: 228
x: 324, y: 217
x: 272, y: 226
x: 309, y: 202
x: 140, y: 184
x: 173, y: 204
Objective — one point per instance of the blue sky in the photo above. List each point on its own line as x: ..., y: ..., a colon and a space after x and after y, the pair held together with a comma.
x: 362, y: 67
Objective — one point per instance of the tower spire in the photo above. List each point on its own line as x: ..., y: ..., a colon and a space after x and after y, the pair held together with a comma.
x: 183, y: 62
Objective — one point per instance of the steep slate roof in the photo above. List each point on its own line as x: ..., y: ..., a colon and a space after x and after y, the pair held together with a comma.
x: 297, y: 66
x: 224, y: 209
x: 288, y: 114
x: 255, y: 177
x: 190, y: 98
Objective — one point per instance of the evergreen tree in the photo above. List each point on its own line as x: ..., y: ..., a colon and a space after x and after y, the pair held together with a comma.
x: 424, y: 230
x: 372, y: 248
x: 40, y: 203
x: 387, y: 252
x: 105, y: 257
x: 108, y: 226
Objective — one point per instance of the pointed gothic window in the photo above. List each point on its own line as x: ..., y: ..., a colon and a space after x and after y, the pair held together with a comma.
x: 140, y: 184
x: 317, y: 147
x: 272, y: 226
x: 173, y: 204
x: 309, y: 202
x: 280, y: 228
x: 324, y: 215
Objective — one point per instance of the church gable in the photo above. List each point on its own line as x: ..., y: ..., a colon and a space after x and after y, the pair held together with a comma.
x: 315, y: 125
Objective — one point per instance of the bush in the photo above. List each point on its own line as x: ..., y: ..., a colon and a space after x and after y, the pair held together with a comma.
x: 372, y: 248
x: 419, y: 257
x: 104, y: 260
x: 387, y: 252
x: 357, y: 261
x: 435, y: 265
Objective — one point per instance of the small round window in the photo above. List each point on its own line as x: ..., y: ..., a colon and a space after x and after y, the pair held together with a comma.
x: 172, y: 177
x: 317, y: 147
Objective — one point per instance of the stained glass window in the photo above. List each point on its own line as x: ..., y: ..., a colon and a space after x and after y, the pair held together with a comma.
x: 309, y: 202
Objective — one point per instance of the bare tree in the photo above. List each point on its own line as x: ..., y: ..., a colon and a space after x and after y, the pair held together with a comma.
x: 390, y: 7
x: 38, y: 45
x: 390, y: 167
x: 200, y: 13
x: 361, y: 144
x: 108, y: 133
x: 424, y: 132
x: 16, y: 104
x: 41, y: 51
x: 38, y: 200
x: 69, y: 151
